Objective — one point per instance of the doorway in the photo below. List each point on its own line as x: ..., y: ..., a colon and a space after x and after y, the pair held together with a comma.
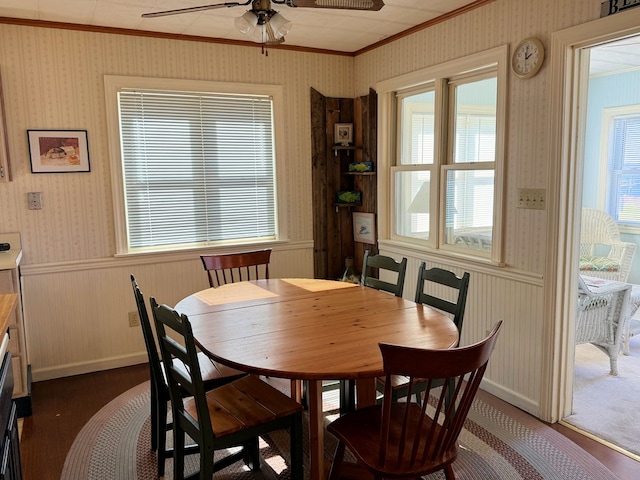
x: 608, y: 140
x: 588, y: 58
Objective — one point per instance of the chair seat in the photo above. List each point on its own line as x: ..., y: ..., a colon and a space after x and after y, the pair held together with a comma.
x: 213, y: 373
x: 397, y: 382
x: 360, y: 432
x: 216, y: 372
x: 244, y: 403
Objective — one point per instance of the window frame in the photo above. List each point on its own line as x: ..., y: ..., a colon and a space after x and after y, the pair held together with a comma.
x: 609, y: 116
x: 441, y: 75
x: 114, y: 83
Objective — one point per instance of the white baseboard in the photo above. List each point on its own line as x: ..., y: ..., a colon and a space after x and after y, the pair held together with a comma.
x: 69, y: 370
x: 512, y: 397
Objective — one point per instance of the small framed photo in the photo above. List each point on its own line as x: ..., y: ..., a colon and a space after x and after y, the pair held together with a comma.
x: 58, y: 151
x: 364, y: 227
x: 343, y: 133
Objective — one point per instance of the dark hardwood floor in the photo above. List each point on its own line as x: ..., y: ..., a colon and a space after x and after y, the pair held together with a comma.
x: 61, y: 408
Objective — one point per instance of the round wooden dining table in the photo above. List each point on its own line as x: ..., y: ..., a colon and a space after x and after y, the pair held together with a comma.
x: 314, y: 330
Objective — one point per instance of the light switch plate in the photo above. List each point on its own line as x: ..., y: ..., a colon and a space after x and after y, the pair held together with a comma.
x: 34, y: 200
x: 533, y: 198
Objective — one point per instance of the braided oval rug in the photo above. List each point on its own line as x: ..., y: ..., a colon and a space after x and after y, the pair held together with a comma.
x: 498, y: 442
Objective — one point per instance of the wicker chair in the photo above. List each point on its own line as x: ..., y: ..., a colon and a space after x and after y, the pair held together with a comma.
x: 633, y: 324
x: 602, y: 253
x: 603, y: 310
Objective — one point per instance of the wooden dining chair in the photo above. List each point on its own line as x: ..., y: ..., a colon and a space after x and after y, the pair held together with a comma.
x: 405, y: 439
x: 382, y: 262
x: 431, y: 278
x: 213, y: 374
x: 236, y: 267
x: 370, y: 262
x: 232, y: 415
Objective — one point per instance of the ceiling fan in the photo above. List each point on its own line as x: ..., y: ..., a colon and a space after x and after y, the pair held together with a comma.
x: 270, y: 26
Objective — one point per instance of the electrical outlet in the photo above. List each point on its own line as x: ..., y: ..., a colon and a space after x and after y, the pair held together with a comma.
x: 533, y: 198
x: 134, y: 319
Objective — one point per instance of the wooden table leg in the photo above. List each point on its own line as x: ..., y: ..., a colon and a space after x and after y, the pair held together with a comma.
x: 316, y: 430
x: 296, y: 390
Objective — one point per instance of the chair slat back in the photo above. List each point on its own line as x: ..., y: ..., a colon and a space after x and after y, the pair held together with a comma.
x: 447, y: 278
x: 413, y: 435
x: 236, y: 267
x: 155, y: 366
x: 383, y: 262
x: 177, y: 345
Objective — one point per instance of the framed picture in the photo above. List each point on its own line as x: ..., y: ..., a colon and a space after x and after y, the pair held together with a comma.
x: 364, y: 227
x: 343, y: 133
x: 58, y: 151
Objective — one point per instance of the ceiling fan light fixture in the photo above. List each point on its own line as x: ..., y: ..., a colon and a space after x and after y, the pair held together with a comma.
x: 281, y: 26
x: 268, y: 35
x: 247, y: 22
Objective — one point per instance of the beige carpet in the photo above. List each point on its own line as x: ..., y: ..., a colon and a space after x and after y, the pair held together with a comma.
x: 604, y: 405
x: 499, y: 442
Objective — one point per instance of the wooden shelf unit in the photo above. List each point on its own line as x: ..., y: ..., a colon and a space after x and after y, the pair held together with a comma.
x: 333, y: 222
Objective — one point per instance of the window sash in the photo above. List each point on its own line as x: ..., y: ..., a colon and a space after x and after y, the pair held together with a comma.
x: 473, y: 143
x: 469, y: 207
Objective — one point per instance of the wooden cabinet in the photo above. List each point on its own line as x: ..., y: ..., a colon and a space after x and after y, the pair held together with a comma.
x: 10, y: 466
x: 10, y: 283
x: 333, y: 222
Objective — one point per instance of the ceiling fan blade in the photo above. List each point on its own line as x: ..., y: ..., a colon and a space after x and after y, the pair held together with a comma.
x: 373, y: 5
x: 194, y: 9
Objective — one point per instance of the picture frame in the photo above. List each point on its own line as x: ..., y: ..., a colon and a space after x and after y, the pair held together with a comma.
x: 364, y: 227
x: 343, y: 133
x: 58, y: 151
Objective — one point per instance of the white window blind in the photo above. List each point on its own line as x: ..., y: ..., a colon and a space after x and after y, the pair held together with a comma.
x: 198, y: 168
x: 623, y: 199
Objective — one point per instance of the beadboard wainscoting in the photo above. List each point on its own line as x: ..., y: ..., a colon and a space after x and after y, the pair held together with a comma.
x: 515, y: 371
x: 76, y: 313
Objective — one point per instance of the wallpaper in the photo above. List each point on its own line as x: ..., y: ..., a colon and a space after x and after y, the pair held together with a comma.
x: 53, y: 79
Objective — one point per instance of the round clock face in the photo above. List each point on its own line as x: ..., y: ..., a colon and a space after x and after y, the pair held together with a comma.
x: 527, y: 57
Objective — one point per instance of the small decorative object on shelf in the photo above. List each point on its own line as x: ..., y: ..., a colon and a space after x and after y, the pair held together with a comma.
x: 350, y: 275
x: 361, y: 167
x: 349, y: 197
x: 343, y: 134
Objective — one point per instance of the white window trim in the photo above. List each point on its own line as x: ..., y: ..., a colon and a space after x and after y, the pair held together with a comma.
x: 387, y: 122
x: 608, y: 116
x: 114, y: 83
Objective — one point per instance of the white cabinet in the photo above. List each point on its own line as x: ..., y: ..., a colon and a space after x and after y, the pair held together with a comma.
x: 10, y: 283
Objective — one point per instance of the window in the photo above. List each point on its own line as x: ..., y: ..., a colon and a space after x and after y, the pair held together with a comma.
x: 446, y: 167
x: 623, y: 169
x: 198, y: 167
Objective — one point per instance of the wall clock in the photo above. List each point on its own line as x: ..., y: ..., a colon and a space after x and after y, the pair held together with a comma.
x: 527, y: 57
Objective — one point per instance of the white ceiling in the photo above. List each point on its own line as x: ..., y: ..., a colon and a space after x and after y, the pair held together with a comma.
x: 340, y: 30
x: 619, y: 56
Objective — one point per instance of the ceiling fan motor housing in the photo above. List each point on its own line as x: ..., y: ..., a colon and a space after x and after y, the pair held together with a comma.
x: 261, y: 5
